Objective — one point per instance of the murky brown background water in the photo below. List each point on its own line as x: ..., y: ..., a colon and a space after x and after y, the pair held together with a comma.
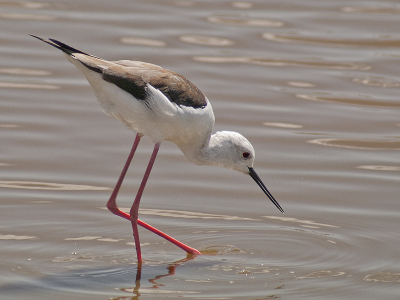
x: 314, y: 85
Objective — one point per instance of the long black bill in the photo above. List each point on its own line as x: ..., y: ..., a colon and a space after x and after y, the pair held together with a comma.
x: 257, y: 179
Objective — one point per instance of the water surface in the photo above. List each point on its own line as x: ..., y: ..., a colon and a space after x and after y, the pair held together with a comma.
x: 313, y: 85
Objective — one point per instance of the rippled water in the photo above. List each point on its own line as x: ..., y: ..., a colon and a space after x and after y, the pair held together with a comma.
x: 314, y: 85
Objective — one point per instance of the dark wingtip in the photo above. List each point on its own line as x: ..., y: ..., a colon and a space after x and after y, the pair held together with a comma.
x: 67, y: 49
x: 51, y: 43
x: 39, y: 38
x: 59, y: 45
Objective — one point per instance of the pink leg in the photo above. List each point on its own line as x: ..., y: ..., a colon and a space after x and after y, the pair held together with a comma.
x: 112, y: 206
x: 135, y: 207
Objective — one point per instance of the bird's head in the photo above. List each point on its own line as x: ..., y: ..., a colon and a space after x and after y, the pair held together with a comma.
x: 232, y: 150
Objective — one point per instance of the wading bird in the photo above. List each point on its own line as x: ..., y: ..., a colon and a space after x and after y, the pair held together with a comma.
x: 163, y: 105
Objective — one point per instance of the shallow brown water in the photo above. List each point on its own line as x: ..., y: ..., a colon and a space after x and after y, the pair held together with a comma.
x: 313, y: 85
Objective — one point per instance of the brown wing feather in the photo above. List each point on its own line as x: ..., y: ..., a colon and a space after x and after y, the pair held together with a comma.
x: 174, y: 86
x: 134, y: 76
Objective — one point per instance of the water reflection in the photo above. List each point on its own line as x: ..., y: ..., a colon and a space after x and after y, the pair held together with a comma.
x: 220, y: 250
x: 305, y: 223
x: 383, y: 277
x: 16, y: 237
x: 242, y: 5
x: 359, y: 144
x: 23, y: 16
x: 321, y: 274
x: 283, y: 125
x: 377, y: 81
x: 143, y: 41
x: 371, y: 9
x: 273, y: 62
x: 206, y: 40
x: 73, y: 257
x: 26, y: 4
x: 24, y: 71
x: 349, y: 100
x: 185, y: 214
x: 381, y: 168
x: 14, y: 85
x: 8, y: 126
x: 190, y: 215
x: 136, y: 290
x: 242, y: 21
x: 339, y: 42
x: 301, y: 84
x: 126, y: 282
x: 183, y: 3
x: 33, y: 185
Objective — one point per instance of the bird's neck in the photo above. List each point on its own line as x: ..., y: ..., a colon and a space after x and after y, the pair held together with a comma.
x: 212, y: 151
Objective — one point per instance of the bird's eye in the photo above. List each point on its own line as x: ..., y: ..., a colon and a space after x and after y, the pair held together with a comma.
x: 246, y: 155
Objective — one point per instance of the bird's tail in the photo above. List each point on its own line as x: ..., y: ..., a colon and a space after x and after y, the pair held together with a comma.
x: 61, y: 46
